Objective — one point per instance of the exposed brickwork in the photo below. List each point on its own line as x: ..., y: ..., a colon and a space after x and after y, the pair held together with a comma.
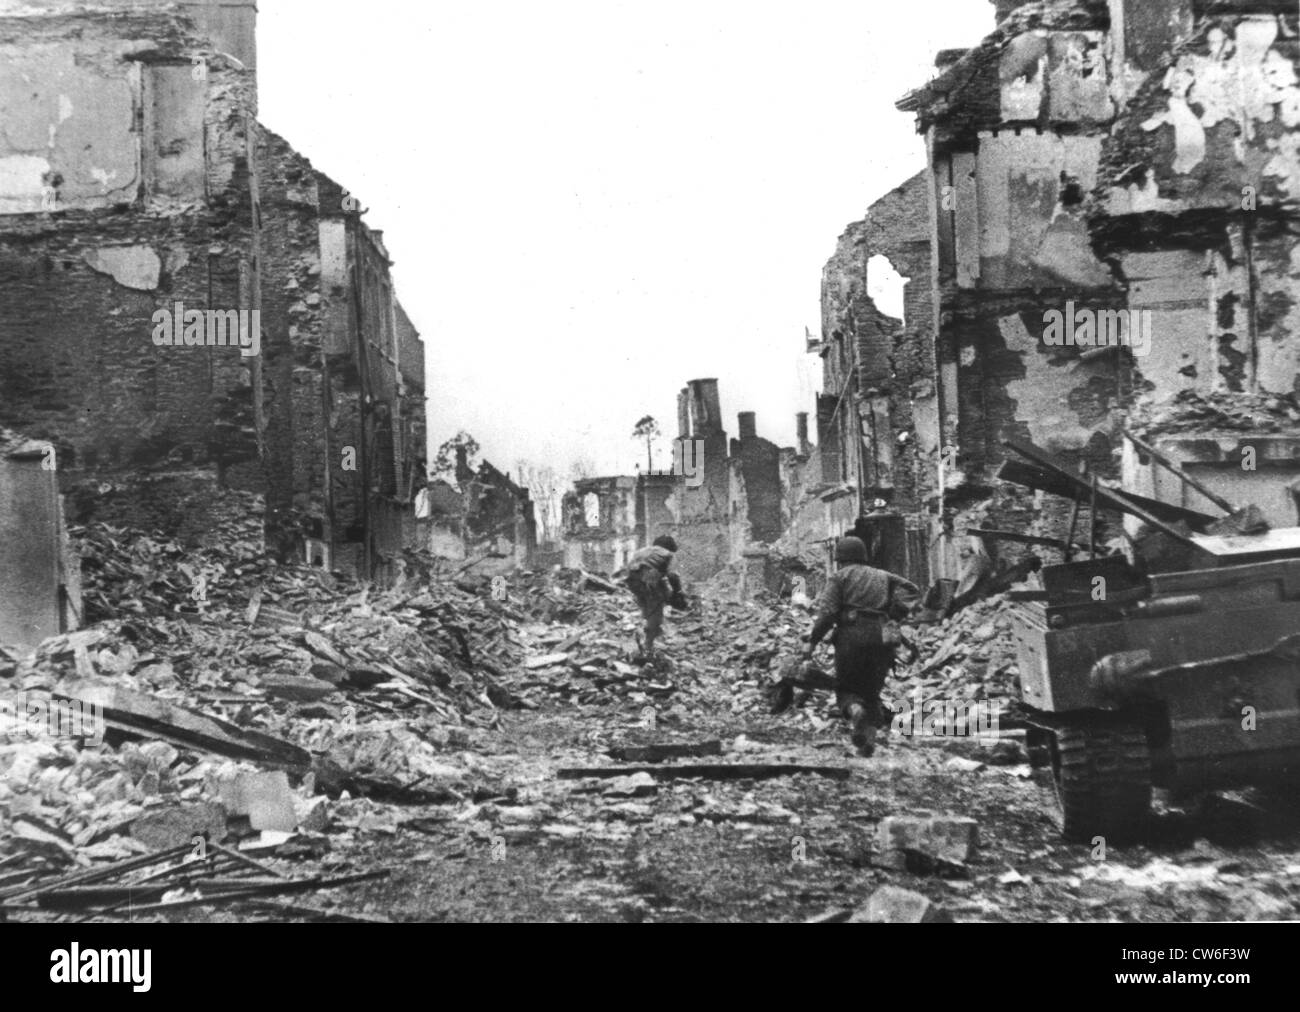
x: 136, y: 179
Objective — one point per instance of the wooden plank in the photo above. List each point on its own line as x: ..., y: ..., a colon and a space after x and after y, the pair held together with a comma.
x: 1042, y: 480
x: 286, y: 886
x: 706, y: 771
x: 1118, y: 500
x: 136, y: 713
x: 1178, y: 472
x: 657, y: 753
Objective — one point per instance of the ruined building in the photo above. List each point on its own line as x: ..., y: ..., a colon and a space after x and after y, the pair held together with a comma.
x: 701, y: 511
x: 1198, y: 211
x: 183, y: 298
x: 724, y: 498
x: 1104, y: 234
x: 497, y: 516
x: 877, y: 433
x: 603, y: 523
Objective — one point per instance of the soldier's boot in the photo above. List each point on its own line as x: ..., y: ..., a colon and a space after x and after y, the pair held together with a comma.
x: 864, y: 731
x: 676, y: 597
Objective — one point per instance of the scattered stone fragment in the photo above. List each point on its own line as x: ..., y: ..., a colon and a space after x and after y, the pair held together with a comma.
x: 638, y: 785
x: 176, y: 825
x: 891, y: 905
x: 265, y: 798
x: 946, y: 840
x: 549, y: 661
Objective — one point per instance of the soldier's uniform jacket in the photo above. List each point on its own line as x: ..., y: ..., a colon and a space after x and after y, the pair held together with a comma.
x: 649, y: 566
x: 861, y: 592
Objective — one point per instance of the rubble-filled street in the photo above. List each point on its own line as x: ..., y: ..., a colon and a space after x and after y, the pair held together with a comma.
x: 302, y: 749
x: 618, y: 463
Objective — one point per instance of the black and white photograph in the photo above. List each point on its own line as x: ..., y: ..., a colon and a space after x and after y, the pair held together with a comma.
x: 612, y: 462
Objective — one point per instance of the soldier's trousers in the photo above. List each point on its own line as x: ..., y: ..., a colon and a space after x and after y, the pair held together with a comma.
x: 862, y: 664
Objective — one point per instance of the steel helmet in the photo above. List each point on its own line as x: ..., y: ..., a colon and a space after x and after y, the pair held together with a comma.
x: 851, y: 550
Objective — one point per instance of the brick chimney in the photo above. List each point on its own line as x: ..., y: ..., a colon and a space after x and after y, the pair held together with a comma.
x: 748, y: 421
x: 801, y: 431
x: 706, y: 407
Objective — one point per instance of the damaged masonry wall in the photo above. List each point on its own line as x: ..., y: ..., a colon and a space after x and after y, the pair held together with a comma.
x: 498, y: 516
x: 878, y: 422
x: 124, y: 219
x: 1198, y: 207
x: 601, y: 526
x: 881, y: 369
x: 702, y: 513
x: 159, y: 192
x: 1127, y: 165
x: 1013, y: 155
x: 1014, y: 130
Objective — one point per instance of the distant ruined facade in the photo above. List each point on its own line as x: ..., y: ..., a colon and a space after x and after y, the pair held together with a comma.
x: 732, y: 497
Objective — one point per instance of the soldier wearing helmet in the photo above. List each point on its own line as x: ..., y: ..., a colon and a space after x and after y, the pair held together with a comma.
x: 858, y: 603
x: 654, y: 587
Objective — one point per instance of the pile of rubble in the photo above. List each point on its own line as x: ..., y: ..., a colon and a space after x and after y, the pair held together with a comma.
x: 970, y: 656
x: 225, y: 730
x: 217, y: 695
x: 579, y: 634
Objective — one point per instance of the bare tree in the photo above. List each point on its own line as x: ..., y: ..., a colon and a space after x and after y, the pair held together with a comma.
x: 543, y: 485
x: 647, y: 429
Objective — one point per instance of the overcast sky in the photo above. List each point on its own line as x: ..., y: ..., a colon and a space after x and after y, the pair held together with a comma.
x: 590, y: 202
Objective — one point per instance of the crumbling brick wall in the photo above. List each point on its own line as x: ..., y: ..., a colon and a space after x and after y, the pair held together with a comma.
x: 884, y: 367
x: 499, y: 513
x: 1015, y: 129
x: 702, y: 512
x: 135, y: 180
x: 141, y: 202
x: 899, y: 380
x: 1197, y: 207
x: 844, y: 302
x: 759, y: 462
x: 290, y: 364
x: 606, y: 546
